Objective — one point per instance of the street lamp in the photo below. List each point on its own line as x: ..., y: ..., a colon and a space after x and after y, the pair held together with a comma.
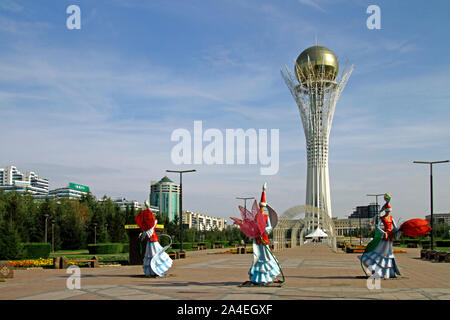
x: 181, y: 202
x: 349, y: 229
x: 245, y: 200
x: 53, y: 235
x: 46, y: 217
x: 431, y: 194
x: 376, y: 202
x: 95, y: 233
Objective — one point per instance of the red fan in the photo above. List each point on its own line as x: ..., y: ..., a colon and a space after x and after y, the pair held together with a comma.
x: 145, y: 219
x: 253, y: 223
x: 415, y: 227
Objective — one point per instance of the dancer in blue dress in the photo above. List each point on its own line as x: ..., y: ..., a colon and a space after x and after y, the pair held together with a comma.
x: 156, y: 260
x: 265, y: 268
x: 378, y: 259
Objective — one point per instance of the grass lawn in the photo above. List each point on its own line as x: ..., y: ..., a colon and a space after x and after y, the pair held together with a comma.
x: 60, y: 253
x: 84, y: 254
x: 447, y: 249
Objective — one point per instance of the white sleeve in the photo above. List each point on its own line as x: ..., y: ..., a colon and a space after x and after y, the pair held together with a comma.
x: 150, y: 231
x: 268, y: 229
x: 394, y: 225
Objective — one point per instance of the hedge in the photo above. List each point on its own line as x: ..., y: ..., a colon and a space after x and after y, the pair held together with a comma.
x: 225, y: 243
x: 186, y: 245
x: 34, y: 250
x: 443, y: 243
x: 105, y: 248
x: 417, y: 241
x: 207, y: 244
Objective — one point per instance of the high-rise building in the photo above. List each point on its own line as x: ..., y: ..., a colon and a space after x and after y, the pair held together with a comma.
x: 12, y: 179
x: 165, y: 195
x: 72, y: 191
x: 369, y: 211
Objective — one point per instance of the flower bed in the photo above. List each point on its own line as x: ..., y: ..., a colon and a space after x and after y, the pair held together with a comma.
x: 78, y: 263
x: 32, y: 263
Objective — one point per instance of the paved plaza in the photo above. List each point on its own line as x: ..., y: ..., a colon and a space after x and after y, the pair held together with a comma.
x: 312, y: 271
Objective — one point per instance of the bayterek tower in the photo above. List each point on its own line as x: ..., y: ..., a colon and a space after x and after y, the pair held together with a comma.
x: 316, y: 89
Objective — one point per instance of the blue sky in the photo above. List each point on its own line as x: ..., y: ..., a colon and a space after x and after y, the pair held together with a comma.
x: 97, y: 106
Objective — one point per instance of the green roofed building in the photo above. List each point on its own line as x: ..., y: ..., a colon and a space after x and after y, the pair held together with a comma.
x: 72, y: 191
x: 165, y: 195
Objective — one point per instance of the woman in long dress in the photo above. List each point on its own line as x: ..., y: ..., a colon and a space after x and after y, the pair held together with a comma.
x: 265, y: 268
x: 156, y: 260
x: 381, y: 261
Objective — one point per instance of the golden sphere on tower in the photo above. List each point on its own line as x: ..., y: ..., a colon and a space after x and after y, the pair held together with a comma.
x: 322, y: 65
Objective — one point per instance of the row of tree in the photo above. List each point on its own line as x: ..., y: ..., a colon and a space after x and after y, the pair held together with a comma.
x: 72, y: 224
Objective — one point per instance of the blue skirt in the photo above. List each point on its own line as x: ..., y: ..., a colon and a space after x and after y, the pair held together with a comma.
x: 380, y: 261
x: 156, y: 261
x: 264, y: 268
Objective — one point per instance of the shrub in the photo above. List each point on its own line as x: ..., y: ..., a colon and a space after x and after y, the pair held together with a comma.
x: 186, y: 245
x: 125, y: 248
x: 416, y: 241
x: 105, y: 248
x: 34, y: 250
x: 225, y: 243
x: 443, y: 243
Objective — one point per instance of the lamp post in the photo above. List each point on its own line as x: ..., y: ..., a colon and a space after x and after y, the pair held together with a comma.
x: 245, y: 200
x: 53, y: 235
x: 431, y: 194
x: 349, y: 229
x: 46, y: 217
x: 181, y: 201
x: 376, y: 202
x: 95, y: 233
x: 360, y: 231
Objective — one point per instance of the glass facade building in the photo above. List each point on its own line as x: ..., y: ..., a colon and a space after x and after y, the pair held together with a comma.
x: 165, y: 195
x: 369, y: 211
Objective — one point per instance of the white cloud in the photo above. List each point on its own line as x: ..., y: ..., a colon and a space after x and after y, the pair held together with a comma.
x: 312, y: 4
x: 11, y: 6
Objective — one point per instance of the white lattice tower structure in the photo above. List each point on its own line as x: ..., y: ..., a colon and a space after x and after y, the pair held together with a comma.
x: 316, y: 95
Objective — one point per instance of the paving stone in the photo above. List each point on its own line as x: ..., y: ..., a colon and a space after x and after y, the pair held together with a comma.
x: 311, y: 271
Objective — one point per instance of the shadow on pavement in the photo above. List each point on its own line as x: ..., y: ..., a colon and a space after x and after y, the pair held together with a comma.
x: 328, y: 277
x: 194, y: 283
x: 162, y: 284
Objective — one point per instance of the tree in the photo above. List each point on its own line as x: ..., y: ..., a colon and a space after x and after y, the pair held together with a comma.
x: 116, y: 226
x: 71, y: 227
x: 11, y: 247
